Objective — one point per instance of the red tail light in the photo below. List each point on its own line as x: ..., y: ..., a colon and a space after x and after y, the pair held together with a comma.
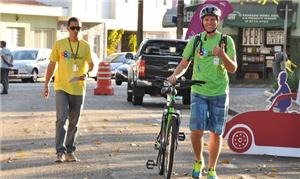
x: 141, y: 68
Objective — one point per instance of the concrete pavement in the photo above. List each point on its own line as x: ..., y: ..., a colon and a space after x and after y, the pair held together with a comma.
x: 116, y: 138
x: 250, y: 98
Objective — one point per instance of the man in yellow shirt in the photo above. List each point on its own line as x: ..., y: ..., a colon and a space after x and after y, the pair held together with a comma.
x: 73, y: 59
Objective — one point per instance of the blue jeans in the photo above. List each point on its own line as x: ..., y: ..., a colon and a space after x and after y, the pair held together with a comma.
x: 67, y: 107
x: 208, y: 112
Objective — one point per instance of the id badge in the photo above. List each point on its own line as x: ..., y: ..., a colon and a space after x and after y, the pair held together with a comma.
x: 75, y: 68
x: 216, y: 60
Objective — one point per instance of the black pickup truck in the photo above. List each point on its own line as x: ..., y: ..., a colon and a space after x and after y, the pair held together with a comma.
x: 155, y: 57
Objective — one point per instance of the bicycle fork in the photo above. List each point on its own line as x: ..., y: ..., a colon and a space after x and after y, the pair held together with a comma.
x: 160, y: 144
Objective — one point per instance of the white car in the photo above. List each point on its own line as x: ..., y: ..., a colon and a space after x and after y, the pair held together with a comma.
x: 29, y: 64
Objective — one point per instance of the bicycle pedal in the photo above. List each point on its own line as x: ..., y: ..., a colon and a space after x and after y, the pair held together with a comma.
x: 181, y: 136
x: 150, y: 164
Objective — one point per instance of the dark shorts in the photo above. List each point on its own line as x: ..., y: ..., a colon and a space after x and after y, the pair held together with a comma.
x: 208, y: 113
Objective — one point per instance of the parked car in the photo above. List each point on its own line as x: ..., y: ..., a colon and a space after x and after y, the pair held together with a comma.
x: 29, y: 64
x: 121, y: 73
x: 116, y: 60
x: 265, y: 132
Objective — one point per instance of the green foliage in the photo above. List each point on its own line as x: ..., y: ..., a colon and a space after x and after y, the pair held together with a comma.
x: 293, y: 71
x: 293, y: 79
x: 114, y: 37
x: 129, y: 42
x: 132, y: 42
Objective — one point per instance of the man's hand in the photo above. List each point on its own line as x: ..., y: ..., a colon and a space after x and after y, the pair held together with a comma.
x: 46, y: 92
x: 217, y: 51
x: 83, y: 77
x: 172, y: 79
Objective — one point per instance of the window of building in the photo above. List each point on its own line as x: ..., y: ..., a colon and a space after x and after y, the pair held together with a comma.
x: 109, y: 9
x: 43, y: 38
x: 16, y: 36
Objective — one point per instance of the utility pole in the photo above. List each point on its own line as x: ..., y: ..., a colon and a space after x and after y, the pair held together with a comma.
x: 180, y: 6
x: 139, y: 34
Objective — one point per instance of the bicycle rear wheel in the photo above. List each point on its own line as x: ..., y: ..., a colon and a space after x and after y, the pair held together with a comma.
x: 161, y: 152
x: 169, y: 153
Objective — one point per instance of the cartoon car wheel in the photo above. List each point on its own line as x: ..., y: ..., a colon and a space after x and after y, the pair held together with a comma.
x: 240, y: 140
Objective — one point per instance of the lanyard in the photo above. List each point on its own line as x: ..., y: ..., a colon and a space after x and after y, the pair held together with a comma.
x: 74, y: 55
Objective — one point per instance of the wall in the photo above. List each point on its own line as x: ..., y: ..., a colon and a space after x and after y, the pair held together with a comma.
x: 127, y: 14
x: 29, y: 23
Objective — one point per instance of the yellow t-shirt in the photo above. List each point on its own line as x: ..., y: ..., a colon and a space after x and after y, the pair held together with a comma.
x: 63, y: 53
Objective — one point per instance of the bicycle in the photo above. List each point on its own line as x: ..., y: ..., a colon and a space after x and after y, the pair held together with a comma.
x: 167, y: 140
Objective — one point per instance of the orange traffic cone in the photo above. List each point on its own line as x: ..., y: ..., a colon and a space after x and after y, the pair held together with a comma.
x: 104, y: 80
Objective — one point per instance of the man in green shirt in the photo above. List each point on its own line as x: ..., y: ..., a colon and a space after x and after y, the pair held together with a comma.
x: 209, y: 103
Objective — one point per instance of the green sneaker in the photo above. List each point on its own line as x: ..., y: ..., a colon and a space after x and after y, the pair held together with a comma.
x: 197, y: 170
x: 212, y: 174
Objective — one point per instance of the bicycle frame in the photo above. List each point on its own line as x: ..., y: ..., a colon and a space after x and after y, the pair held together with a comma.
x: 167, y: 139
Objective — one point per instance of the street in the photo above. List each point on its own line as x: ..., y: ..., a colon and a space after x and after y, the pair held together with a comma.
x: 115, y: 139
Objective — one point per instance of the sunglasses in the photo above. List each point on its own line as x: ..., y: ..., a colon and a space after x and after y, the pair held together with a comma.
x: 75, y: 27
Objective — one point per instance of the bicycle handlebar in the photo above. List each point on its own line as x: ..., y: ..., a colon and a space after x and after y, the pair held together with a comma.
x: 185, y: 82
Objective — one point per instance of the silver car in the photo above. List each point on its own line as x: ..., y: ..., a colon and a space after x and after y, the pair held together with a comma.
x: 29, y: 64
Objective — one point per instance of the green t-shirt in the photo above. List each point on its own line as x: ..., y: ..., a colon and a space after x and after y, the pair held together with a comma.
x: 208, y: 67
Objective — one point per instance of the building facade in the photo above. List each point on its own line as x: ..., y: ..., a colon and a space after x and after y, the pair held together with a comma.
x: 28, y: 23
x: 38, y: 23
x: 258, y: 32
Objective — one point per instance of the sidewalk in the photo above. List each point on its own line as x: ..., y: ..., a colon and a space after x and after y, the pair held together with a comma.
x: 242, y: 99
x: 249, y: 97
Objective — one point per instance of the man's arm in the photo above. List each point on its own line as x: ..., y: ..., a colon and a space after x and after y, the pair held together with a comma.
x: 179, y: 71
x: 49, y: 74
x: 91, y: 66
x: 5, y: 61
x: 84, y: 76
x: 229, y: 63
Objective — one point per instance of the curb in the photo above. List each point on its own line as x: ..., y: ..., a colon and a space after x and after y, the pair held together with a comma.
x: 232, y: 112
x: 268, y: 93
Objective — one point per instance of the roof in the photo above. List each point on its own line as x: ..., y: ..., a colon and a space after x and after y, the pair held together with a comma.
x: 25, y: 2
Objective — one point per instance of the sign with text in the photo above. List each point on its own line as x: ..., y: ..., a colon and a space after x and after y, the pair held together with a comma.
x: 253, y: 36
x: 256, y: 15
x: 274, y: 37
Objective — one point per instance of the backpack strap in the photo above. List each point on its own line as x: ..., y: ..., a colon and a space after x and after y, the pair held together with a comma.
x: 223, y: 41
x: 197, y: 41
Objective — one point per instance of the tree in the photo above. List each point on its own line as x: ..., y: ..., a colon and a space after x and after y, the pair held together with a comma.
x: 113, y: 39
x: 129, y: 41
x: 132, y: 42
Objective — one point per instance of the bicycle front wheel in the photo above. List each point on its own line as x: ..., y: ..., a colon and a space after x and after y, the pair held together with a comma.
x: 170, y: 148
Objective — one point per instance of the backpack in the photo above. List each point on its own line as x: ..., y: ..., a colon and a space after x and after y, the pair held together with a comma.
x: 198, y: 41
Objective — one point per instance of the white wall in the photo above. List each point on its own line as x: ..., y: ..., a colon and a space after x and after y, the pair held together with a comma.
x: 126, y: 14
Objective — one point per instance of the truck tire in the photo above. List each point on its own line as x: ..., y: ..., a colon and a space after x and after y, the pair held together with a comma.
x: 137, y: 96
x: 129, y: 92
x: 137, y: 100
x: 186, y: 99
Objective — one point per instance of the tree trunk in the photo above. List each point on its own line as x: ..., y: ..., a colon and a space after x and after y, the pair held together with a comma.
x: 179, y: 23
x: 140, y: 22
